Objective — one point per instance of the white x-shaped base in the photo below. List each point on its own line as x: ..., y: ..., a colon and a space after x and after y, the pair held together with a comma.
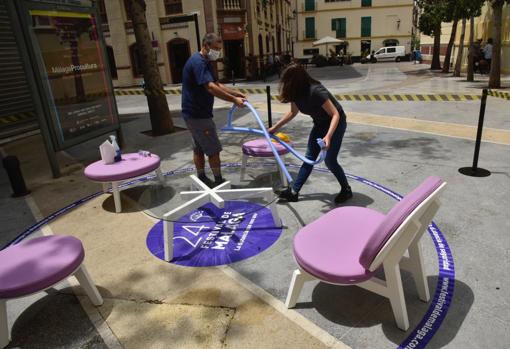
x: 217, y: 196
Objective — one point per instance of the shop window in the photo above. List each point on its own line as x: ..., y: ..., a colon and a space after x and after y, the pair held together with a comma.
x: 173, y: 7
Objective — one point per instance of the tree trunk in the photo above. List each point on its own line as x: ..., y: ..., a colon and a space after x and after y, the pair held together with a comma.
x: 458, y: 62
x: 447, y: 57
x: 436, y: 64
x: 471, y: 52
x: 161, y: 120
x: 495, y: 75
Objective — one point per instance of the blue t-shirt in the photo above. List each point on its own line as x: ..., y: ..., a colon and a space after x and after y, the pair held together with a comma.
x: 196, y: 101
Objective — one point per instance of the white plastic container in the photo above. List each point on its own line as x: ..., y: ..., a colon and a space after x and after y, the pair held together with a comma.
x: 107, y: 151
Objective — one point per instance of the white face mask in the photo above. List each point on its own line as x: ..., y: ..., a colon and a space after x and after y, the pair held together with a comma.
x: 213, y: 54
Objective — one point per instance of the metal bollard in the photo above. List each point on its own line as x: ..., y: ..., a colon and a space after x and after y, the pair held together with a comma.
x: 11, y: 165
x: 475, y: 171
x: 269, y: 114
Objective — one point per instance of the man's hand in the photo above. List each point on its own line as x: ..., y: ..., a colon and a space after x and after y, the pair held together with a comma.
x: 239, y: 102
x: 272, y: 130
x: 240, y: 94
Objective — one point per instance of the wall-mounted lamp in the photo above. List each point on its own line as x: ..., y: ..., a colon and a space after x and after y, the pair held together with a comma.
x: 398, y: 24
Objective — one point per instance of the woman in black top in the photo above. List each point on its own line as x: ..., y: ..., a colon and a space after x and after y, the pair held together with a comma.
x: 308, y: 96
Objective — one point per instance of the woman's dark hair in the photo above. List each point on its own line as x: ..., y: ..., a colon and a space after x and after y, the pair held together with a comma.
x: 295, y: 83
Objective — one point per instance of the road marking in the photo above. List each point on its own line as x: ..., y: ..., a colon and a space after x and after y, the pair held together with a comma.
x: 439, y: 128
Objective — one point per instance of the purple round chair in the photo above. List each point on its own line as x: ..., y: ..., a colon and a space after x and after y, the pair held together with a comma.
x: 37, y: 264
x: 348, y: 245
x: 260, y: 149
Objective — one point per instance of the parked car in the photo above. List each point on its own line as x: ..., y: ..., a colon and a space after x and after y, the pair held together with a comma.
x: 390, y: 53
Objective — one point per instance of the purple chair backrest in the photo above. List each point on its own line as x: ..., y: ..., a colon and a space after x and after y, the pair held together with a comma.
x: 396, y: 217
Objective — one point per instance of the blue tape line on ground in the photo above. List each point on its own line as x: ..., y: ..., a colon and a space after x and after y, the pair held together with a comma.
x: 441, y: 301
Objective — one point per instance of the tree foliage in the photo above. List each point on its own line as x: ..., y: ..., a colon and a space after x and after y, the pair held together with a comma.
x: 459, y: 9
x: 432, y: 14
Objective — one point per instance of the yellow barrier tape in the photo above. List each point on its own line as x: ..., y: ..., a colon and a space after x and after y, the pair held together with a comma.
x: 340, y: 97
x: 499, y: 94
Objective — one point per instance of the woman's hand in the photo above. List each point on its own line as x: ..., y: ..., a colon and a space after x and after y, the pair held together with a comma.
x: 327, y: 141
x: 272, y: 130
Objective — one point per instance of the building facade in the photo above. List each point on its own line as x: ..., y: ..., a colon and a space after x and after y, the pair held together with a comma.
x: 483, y: 30
x: 252, y: 30
x: 363, y: 25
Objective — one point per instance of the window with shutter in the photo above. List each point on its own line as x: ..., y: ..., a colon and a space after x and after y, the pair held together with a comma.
x: 366, y: 26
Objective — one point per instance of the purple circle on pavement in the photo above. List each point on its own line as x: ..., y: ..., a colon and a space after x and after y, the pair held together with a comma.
x: 210, y: 236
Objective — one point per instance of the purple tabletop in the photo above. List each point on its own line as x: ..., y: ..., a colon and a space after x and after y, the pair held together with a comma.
x: 131, y: 165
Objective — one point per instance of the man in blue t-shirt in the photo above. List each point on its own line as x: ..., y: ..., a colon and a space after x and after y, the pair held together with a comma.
x: 199, y: 87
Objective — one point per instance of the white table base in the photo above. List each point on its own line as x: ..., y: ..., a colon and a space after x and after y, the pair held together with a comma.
x: 200, y: 197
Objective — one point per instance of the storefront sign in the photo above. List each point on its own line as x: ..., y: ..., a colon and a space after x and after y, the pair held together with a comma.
x: 232, y: 32
x: 75, y: 73
x: 212, y: 236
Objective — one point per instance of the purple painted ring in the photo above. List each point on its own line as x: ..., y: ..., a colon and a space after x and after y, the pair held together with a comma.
x: 428, y: 326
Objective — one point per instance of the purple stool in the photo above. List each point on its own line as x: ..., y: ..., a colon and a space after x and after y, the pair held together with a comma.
x: 36, y: 264
x: 132, y: 165
x: 348, y: 245
x: 260, y: 149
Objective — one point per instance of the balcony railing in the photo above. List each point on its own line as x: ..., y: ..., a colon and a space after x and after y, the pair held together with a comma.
x: 231, y: 5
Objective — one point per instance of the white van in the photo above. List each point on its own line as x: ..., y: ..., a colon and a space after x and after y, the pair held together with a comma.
x: 390, y: 53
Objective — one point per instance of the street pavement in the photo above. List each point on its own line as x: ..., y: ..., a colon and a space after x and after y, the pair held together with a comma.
x: 149, y: 303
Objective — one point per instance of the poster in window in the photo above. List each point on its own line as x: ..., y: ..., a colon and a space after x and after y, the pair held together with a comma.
x: 75, y: 70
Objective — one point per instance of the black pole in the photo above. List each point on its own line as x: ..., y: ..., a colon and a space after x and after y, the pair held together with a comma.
x: 197, y: 31
x: 269, y: 115
x: 483, y: 104
x: 475, y: 171
x: 12, y: 167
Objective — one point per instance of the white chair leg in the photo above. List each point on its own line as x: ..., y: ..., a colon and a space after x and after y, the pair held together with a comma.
x: 116, y: 197
x: 243, y: 167
x: 298, y: 280
x: 283, y: 179
x: 416, y: 263
x: 168, y: 239
x: 88, y: 285
x: 274, y: 209
x: 396, y: 295
x: 106, y: 187
x: 5, y: 336
x: 160, y: 176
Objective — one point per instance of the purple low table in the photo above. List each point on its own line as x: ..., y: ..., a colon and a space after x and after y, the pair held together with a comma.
x: 131, y: 166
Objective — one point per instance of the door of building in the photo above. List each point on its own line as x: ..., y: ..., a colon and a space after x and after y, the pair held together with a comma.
x: 234, y: 58
x: 178, y: 54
